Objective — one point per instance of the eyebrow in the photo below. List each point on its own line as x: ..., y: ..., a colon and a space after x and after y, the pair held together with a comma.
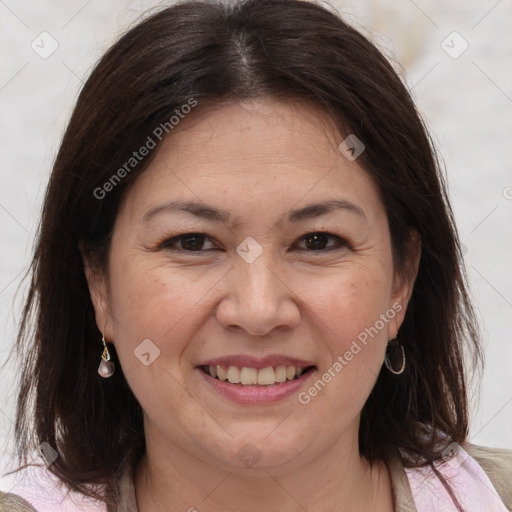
x: 217, y: 215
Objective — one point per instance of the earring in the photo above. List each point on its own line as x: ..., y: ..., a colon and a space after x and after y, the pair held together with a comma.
x: 387, y: 361
x: 106, y: 367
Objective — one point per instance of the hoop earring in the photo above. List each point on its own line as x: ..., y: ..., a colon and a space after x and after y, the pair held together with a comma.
x: 387, y: 362
x: 106, y: 368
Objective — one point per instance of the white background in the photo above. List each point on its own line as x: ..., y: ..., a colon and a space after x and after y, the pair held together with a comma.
x: 467, y: 102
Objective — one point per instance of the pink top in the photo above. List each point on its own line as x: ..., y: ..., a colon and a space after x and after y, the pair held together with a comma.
x: 471, y: 486
x: 472, y: 489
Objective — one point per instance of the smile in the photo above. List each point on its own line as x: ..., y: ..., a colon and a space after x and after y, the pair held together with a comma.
x: 248, y: 376
x: 257, y: 384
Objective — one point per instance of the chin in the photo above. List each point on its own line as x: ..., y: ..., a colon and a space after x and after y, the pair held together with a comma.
x: 274, y: 450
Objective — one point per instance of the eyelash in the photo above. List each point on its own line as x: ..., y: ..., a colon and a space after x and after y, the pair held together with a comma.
x: 168, y: 243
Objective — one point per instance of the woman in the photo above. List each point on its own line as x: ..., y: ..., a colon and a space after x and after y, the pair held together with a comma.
x: 248, y: 285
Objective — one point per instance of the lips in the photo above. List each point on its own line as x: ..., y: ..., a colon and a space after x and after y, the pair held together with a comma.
x: 256, y: 394
x: 250, y: 371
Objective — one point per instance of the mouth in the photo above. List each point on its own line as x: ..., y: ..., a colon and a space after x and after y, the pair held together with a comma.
x: 249, y: 380
x: 246, y: 376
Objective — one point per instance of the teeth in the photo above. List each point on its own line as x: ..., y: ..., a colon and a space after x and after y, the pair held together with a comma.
x: 281, y: 374
x: 266, y: 376
x: 246, y: 376
x: 234, y: 374
x: 221, y: 373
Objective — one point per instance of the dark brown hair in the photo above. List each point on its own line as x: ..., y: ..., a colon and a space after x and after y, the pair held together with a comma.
x: 214, y: 52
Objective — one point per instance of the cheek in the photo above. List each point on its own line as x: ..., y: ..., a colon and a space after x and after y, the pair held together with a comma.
x: 353, y: 341
x: 156, y: 303
x: 160, y: 305
x: 349, y: 303
x: 354, y: 315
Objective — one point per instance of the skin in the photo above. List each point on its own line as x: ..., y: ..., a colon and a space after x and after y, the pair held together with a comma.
x: 258, y: 160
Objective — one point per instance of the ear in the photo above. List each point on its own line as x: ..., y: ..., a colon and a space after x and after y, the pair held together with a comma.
x: 98, y: 290
x: 403, y: 282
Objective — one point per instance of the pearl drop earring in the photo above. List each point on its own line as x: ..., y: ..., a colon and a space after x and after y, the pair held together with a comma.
x: 106, y: 368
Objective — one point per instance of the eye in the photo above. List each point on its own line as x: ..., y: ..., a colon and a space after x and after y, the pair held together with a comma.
x: 195, y: 242
x: 317, y: 242
x: 190, y: 242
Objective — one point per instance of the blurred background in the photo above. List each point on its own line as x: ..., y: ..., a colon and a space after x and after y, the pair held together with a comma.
x: 456, y: 59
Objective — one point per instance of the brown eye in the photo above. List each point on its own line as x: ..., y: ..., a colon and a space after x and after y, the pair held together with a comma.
x: 319, y: 241
x: 188, y: 242
x: 192, y: 242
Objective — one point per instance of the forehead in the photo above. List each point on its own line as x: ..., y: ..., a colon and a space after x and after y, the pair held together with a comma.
x: 274, y: 150
x: 264, y: 130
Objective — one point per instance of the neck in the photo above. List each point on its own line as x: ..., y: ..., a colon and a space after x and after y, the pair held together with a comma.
x: 338, y: 479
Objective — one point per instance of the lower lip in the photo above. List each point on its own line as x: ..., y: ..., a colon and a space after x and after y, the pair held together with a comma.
x: 256, y: 394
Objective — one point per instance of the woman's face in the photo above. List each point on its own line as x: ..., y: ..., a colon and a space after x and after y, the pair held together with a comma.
x: 254, y: 294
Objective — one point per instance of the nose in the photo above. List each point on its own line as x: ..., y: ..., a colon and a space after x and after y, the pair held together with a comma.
x: 259, y: 297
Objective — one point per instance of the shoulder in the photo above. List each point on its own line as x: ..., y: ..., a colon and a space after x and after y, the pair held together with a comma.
x: 497, y: 463
x: 13, y: 503
x: 409, y: 482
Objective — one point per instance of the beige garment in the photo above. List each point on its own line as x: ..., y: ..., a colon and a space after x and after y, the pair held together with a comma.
x: 496, y: 463
x: 12, y: 503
